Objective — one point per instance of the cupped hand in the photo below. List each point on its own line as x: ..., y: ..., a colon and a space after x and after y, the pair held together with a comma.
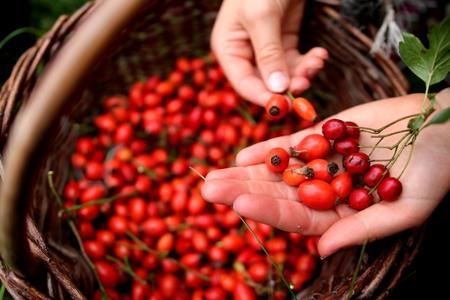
x: 256, y: 193
x: 265, y: 31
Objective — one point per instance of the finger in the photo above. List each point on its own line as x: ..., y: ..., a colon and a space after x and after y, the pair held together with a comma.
x: 256, y: 153
x: 284, y: 214
x: 265, y: 34
x: 225, y: 191
x: 299, y: 85
x: 254, y: 172
x: 367, y: 225
x: 309, y: 64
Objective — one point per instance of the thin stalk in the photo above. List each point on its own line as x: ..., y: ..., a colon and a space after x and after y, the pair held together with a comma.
x: 77, y: 236
x: 126, y: 267
x: 96, y: 202
x: 290, y: 95
x: 425, y: 96
x: 2, y: 292
x: 374, y: 147
x: 246, y: 115
x: 269, y: 257
x: 407, y: 162
x: 17, y: 32
x: 355, y: 273
x: 160, y: 255
x: 390, y: 134
x: 197, y: 172
x: 395, y: 122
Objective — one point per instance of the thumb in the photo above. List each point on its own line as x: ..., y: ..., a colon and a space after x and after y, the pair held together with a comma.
x: 265, y: 34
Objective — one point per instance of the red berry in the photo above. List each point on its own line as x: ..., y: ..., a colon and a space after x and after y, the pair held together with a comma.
x: 296, y: 174
x: 94, y: 249
x: 277, y: 107
x: 323, y: 169
x: 259, y: 272
x: 94, y: 170
x: 317, y: 194
x: 277, y: 159
x: 346, y: 146
x: 107, y: 273
x: 334, y: 129
x: 374, y: 174
x: 342, y: 185
x: 356, y: 163
x: 304, y: 109
x: 360, y: 199
x: 390, y: 189
x: 352, y: 130
x: 312, y: 147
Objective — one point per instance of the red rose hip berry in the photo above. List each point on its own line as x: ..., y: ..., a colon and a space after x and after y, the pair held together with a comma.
x: 390, y: 189
x: 356, y: 163
x: 317, y: 194
x: 374, y: 174
x: 277, y: 107
x: 360, y: 199
x: 312, y: 147
x: 342, y: 185
x: 277, y: 160
x: 346, y: 146
x: 334, y: 129
x: 352, y: 130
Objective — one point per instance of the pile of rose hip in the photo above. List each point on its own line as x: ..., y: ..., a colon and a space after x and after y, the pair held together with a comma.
x: 138, y: 207
x: 320, y: 186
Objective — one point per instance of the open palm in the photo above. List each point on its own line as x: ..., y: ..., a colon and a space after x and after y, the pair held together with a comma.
x: 256, y: 193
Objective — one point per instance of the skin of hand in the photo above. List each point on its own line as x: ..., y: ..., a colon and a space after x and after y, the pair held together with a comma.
x: 264, y: 32
x: 258, y: 194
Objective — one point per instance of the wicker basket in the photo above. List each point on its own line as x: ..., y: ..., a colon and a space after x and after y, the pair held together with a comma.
x: 111, y: 44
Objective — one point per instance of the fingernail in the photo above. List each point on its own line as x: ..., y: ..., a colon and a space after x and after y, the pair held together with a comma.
x: 278, y: 82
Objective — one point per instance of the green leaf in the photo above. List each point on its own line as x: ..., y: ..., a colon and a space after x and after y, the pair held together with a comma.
x: 440, y: 117
x: 416, y: 123
x: 433, y: 64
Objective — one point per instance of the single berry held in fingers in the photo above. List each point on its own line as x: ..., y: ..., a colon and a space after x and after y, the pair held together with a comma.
x: 277, y: 107
x: 374, y: 174
x: 356, y: 163
x: 312, y: 147
x: 317, y: 194
x: 342, y: 185
x: 323, y: 169
x: 360, y: 199
x: 334, y: 129
x: 352, y: 130
x: 346, y: 146
x: 389, y: 189
x: 296, y: 174
x: 304, y: 109
x: 277, y: 159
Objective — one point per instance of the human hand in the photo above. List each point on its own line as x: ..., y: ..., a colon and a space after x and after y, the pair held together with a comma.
x: 266, y: 31
x: 258, y: 194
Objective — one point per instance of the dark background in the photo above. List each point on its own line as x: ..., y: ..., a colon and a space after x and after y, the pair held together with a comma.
x: 426, y: 279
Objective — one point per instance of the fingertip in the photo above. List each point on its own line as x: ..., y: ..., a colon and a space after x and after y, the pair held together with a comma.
x: 278, y: 82
x: 242, y: 205
x: 243, y: 157
x: 299, y: 85
x: 208, y: 191
x: 320, y: 52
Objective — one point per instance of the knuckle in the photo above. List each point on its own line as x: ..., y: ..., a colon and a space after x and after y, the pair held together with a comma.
x: 269, y: 52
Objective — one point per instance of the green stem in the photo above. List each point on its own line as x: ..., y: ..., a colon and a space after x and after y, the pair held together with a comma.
x: 160, y: 255
x: 390, y: 134
x: 126, y: 267
x: 425, y: 96
x: 355, y: 273
x: 74, y: 230
x: 19, y: 32
x: 407, y: 162
x: 395, y: 122
x: 96, y: 202
x: 269, y: 257
x: 2, y: 292
x: 245, y: 114
x: 290, y: 95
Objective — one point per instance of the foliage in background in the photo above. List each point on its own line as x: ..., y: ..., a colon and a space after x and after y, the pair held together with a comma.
x: 44, y: 13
